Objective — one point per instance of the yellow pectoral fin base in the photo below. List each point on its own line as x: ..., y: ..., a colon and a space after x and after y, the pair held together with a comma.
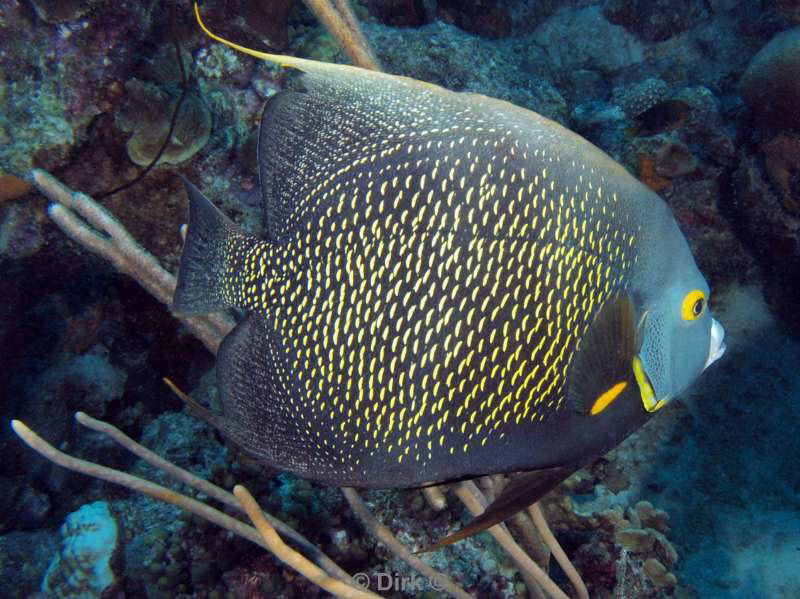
x: 602, y: 402
x: 645, y: 389
x: 601, y: 370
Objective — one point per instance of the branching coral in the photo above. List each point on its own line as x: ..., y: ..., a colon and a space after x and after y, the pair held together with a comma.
x: 189, y: 504
x: 338, y: 19
x: 92, y: 226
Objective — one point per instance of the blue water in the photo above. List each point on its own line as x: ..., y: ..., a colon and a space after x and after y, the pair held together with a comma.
x: 732, y: 486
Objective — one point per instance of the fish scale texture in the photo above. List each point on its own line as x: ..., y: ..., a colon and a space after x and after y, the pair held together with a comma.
x: 435, y: 259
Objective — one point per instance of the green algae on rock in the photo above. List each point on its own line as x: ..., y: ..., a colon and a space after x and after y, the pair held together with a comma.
x: 148, y: 113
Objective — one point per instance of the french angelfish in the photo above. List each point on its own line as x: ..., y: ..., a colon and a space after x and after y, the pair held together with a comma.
x: 449, y: 286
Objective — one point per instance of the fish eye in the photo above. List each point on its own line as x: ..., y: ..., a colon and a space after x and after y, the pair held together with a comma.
x: 693, y: 305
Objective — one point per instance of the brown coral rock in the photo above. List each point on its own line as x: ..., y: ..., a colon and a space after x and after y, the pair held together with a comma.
x: 635, y: 539
x: 771, y: 84
x: 652, y: 517
x: 782, y: 160
x: 790, y: 9
x: 648, y: 176
x: 674, y: 160
x: 772, y: 233
x: 659, y: 574
x: 12, y: 187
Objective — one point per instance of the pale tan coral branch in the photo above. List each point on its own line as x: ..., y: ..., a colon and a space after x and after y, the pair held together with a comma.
x: 156, y: 491
x: 135, y: 483
x: 435, y: 498
x: 382, y: 533
x: 291, y: 558
x: 533, y: 543
x: 342, y: 25
x: 89, y: 224
x: 348, y: 16
x: 473, y: 499
x: 490, y: 487
x: 550, y: 540
x: 156, y: 460
x: 209, y: 489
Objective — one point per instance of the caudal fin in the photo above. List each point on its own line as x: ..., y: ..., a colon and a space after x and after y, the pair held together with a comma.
x: 202, y: 270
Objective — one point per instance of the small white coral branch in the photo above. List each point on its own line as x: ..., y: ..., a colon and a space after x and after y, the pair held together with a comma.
x: 325, y: 565
x: 292, y: 558
x: 89, y: 224
x: 435, y: 498
x: 383, y: 534
x: 475, y: 502
x: 550, y: 540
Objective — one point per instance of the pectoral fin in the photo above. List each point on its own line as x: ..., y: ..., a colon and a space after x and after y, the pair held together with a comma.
x: 601, y: 370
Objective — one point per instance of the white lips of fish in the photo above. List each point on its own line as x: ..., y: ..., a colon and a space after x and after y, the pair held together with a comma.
x: 717, y: 345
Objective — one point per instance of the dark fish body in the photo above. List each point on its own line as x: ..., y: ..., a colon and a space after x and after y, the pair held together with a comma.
x: 450, y: 286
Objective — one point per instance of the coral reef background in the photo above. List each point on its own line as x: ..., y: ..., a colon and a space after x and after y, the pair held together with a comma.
x: 698, y: 98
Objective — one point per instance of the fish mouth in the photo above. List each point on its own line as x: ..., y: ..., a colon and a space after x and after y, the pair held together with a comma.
x: 717, y: 345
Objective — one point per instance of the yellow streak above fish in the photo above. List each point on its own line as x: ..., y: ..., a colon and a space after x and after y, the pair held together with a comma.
x: 450, y: 286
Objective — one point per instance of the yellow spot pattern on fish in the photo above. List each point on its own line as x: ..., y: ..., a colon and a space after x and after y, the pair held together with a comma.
x: 428, y: 301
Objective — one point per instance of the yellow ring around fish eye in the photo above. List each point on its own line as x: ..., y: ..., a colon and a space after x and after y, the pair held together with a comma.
x: 694, y: 304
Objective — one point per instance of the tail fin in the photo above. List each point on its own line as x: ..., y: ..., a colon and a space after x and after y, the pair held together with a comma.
x: 202, y: 269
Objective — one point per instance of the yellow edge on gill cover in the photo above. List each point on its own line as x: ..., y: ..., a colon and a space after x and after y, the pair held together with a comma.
x: 602, y: 402
x: 645, y: 389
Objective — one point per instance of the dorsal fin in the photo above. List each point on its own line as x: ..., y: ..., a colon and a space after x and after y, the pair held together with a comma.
x: 307, y: 142
x: 355, y: 126
x: 302, y: 64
